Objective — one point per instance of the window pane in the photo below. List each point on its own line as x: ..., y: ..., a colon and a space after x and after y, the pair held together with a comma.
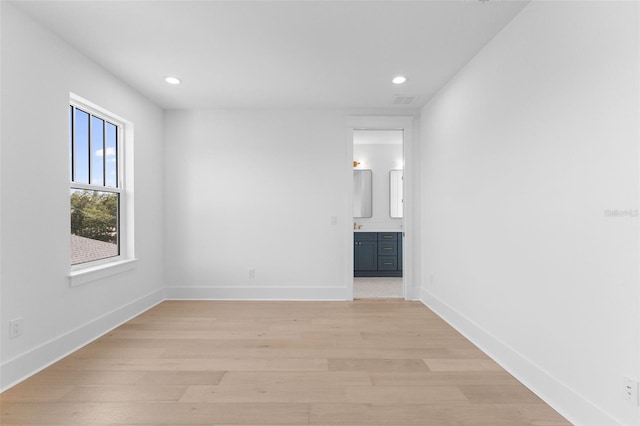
x: 81, y: 155
x: 112, y: 156
x: 97, y: 151
x: 94, y: 225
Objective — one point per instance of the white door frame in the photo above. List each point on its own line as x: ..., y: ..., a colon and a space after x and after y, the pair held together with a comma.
x: 404, y: 123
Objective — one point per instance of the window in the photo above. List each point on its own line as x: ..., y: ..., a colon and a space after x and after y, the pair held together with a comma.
x: 97, y: 186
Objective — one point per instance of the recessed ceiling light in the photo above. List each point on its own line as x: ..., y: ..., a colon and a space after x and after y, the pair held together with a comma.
x: 172, y: 80
x: 399, y: 79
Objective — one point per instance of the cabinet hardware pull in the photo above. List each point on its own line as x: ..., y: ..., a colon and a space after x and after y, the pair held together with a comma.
x: 387, y: 248
x: 388, y: 263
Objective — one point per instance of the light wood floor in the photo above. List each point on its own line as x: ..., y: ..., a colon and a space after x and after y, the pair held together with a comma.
x: 376, y: 362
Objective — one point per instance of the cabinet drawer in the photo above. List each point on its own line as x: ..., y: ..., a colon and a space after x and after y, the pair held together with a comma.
x: 365, y: 236
x: 387, y: 248
x: 387, y: 263
x: 387, y: 236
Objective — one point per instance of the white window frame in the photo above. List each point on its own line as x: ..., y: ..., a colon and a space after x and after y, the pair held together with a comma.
x: 90, y: 271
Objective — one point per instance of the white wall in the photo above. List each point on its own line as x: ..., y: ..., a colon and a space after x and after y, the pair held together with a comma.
x: 255, y: 189
x: 523, y: 153
x: 380, y: 159
x: 38, y: 73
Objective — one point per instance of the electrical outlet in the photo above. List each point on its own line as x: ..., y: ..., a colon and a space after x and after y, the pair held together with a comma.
x: 631, y: 391
x: 333, y: 220
x: 252, y: 272
x: 16, y: 327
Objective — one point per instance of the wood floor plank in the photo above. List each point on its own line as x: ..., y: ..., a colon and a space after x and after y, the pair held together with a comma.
x: 75, y: 377
x: 209, y: 364
x: 499, y: 394
x: 203, y: 334
x: 106, y: 351
x: 197, y: 377
x: 315, y: 350
x: 146, y: 413
x: 272, y: 393
x: 308, y: 378
x: 124, y: 393
x: 433, y: 415
x: 456, y: 378
x: 405, y: 395
x: 197, y: 363
x: 462, y: 365
x: 36, y: 392
x: 413, y: 365
x: 269, y: 386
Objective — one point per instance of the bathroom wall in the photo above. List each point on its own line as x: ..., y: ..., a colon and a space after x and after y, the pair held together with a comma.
x: 380, y: 158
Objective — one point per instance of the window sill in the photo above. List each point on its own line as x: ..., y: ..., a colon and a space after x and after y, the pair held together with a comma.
x: 98, y: 272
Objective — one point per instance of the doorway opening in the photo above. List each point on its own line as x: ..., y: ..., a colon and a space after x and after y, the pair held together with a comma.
x: 378, y: 217
x: 378, y: 166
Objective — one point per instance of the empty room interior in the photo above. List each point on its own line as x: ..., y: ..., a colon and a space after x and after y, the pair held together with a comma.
x: 319, y: 212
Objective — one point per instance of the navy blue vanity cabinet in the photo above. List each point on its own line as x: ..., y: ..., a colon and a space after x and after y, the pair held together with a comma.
x: 365, y: 253
x: 377, y: 254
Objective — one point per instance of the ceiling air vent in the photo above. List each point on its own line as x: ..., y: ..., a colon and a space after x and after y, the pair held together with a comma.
x: 403, y: 99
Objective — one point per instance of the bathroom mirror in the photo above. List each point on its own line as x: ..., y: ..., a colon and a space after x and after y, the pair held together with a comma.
x: 395, y: 193
x: 362, y: 193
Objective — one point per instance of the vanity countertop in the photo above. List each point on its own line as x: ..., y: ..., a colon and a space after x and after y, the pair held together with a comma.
x: 377, y: 230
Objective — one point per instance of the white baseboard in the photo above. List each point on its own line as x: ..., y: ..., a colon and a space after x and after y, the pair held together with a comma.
x: 575, y: 408
x: 329, y: 293
x: 29, y: 363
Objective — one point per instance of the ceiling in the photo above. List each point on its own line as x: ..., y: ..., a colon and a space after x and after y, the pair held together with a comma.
x: 278, y: 54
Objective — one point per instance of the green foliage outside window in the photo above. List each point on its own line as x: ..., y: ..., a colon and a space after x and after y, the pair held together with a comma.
x: 94, y: 215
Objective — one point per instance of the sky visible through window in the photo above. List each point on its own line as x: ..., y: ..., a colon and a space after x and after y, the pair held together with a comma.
x: 95, y: 148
